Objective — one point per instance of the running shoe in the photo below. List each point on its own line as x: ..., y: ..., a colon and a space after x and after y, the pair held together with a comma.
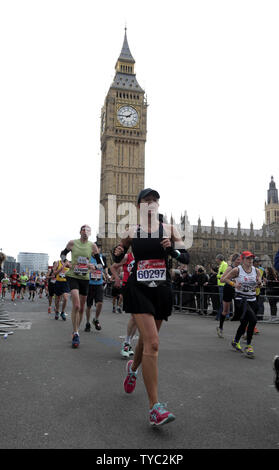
x: 236, y: 346
x: 56, y: 315
x: 119, y: 310
x: 131, y: 352
x: 87, y: 327
x: 113, y: 309
x: 276, y: 372
x: 63, y: 316
x: 256, y: 331
x: 75, y: 341
x: 249, y: 351
x: 220, y: 332
x: 97, y: 325
x: 126, y: 350
x: 130, y: 381
x: 159, y: 415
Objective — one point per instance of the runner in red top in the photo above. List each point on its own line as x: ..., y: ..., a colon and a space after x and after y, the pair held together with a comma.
x: 2, y: 274
x: 13, y: 279
x: 127, y: 265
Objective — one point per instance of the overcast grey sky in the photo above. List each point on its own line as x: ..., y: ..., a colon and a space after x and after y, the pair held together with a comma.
x: 210, y: 70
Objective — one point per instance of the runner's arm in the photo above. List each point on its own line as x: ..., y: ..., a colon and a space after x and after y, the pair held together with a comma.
x: 115, y: 272
x: 120, y: 250
x: 115, y: 267
x: 179, y: 253
x: 68, y: 248
x: 55, y: 268
x: 229, y: 268
x: 227, y: 278
x: 95, y: 254
x: 259, y: 277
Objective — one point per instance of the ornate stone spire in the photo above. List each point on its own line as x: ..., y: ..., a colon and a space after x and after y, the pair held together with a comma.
x: 251, y: 229
x: 272, y: 193
x: 125, y: 77
x: 238, y: 228
x: 199, y: 225
x: 125, y: 53
x: 226, y: 227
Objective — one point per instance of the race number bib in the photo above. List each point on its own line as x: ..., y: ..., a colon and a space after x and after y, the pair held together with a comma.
x: 81, y: 268
x: 151, y: 271
x: 96, y: 275
x: 248, y: 287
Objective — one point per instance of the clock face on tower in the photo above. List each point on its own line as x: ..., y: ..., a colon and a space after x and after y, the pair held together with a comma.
x: 127, y: 116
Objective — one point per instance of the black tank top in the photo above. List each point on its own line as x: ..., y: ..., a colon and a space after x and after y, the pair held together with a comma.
x: 148, y: 246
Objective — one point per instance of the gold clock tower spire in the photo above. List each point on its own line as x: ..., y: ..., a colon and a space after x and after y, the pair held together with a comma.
x: 123, y: 137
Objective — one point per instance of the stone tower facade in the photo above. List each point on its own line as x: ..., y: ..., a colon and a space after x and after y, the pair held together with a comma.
x: 123, y: 137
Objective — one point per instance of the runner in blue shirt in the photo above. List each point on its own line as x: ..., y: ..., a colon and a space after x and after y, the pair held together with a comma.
x: 96, y: 290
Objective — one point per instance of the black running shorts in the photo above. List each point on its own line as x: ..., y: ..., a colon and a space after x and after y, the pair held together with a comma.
x: 228, y: 293
x: 82, y: 285
x: 141, y: 299
x: 96, y: 292
x: 51, y: 289
x: 61, y: 287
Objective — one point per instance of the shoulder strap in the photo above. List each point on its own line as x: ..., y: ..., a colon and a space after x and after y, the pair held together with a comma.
x: 161, y: 230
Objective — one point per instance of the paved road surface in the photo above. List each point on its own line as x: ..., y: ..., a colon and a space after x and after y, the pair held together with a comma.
x: 54, y: 397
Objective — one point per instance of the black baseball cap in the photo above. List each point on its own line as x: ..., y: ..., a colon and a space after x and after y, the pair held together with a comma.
x: 145, y: 192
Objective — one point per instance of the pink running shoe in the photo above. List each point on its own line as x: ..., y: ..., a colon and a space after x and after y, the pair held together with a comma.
x: 159, y: 415
x: 130, y: 381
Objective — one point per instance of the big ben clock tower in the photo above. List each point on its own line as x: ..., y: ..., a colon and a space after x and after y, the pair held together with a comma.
x: 123, y: 137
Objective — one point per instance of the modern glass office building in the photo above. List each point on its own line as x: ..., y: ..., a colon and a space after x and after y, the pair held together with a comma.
x: 33, y: 262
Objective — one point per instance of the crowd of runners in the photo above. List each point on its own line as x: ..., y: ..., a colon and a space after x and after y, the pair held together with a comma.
x: 142, y: 287
x: 19, y: 285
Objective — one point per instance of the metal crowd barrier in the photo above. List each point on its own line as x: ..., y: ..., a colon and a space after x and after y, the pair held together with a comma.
x: 205, y: 302
x: 199, y: 301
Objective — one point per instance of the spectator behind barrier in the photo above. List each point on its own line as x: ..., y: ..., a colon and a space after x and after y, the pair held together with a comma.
x: 272, y: 290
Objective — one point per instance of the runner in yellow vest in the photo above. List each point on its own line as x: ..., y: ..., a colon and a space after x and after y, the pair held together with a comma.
x: 222, y: 266
x: 78, y: 276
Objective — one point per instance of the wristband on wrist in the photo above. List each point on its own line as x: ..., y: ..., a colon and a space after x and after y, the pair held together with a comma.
x: 231, y: 283
x: 63, y: 254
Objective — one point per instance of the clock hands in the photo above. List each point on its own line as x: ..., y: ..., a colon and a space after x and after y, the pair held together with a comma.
x: 125, y: 115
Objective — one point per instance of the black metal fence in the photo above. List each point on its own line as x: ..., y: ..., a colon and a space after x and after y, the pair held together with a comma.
x: 204, y: 302
x: 207, y: 302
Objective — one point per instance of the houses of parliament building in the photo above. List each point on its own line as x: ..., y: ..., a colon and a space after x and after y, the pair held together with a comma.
x: 264, y: 242
x: 123, y: 137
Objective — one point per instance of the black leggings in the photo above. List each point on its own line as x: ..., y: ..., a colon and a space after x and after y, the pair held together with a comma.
x: 247, y: 313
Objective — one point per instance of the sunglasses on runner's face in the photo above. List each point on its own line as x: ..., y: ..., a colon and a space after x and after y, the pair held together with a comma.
x: 149, y: 199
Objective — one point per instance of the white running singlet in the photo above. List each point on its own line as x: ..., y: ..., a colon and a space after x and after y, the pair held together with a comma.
x: 248, y: 282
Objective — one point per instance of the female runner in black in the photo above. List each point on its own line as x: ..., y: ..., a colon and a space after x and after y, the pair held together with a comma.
x: 148, y: 295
